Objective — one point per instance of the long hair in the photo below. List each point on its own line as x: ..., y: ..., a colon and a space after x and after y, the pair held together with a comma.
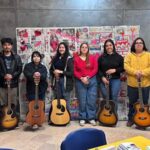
x: 87, y: 54
x: 134, y: 42
x: 65, y: 56
x: 112, y: 42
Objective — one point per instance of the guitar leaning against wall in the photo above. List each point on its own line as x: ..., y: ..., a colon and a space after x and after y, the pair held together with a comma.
x: 142, y: 115
x: 36, y: 114
x: 9, y: 118
x: 107, y: 115
x: 59, y: 114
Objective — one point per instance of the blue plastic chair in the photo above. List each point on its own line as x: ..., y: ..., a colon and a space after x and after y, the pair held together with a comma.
x: 84, y: 139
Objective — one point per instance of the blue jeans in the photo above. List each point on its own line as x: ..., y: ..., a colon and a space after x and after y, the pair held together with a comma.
x: 62, y: 93
x: 87, y: 95
x: 133, y: 95
x: 115, y: 85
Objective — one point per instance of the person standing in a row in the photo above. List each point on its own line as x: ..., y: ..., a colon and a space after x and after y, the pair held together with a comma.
x: 85, y: 70
x: 62, y: 67
x: 137, y: 66
x: 10, y: 70
x: 110, y: 65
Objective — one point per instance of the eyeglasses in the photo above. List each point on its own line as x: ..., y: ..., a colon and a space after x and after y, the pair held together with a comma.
x: 139, y: 43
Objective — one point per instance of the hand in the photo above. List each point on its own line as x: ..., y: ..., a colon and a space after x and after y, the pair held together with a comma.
x: 110, y: 71
x: 85, y: 80
x: 58, y: 71
x: 138, y: 74
x: 105, y: 81
x: 37, y: 75
x: 8, y: 77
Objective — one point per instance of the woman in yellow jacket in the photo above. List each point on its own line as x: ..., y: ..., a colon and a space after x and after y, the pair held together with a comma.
x: 137, y: 66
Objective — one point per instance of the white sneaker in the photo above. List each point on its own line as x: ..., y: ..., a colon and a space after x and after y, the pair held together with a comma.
x: 82, y: 122
x: 92, y: 122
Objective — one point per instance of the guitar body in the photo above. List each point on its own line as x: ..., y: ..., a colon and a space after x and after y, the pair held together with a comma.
x: 59, y: 115
x: 36, y: 114
x: 107, y: 115
x: 142, y: 115
x: 9, y: 119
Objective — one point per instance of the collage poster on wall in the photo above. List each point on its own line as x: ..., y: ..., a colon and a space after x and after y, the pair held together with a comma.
x: 46, y: 41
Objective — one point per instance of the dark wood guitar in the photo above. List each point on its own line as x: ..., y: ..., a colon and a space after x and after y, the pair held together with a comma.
x: 9, y: 118
x: 59, y: 114
x: 36, y: 114
x: 142, y: 115
x: 107, y: 115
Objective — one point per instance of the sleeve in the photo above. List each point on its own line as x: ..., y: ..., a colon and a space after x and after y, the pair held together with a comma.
x: 146, y: 71
x: 43, y: 73
x: 69, y: 70
x: 100, y: 72
x: 128, y: 68
x: 95, y: 67
x: 121, y: 65
x: 76, y: 70
x: 2, y: 73
x: 18, y: 71
x: 28, y: 72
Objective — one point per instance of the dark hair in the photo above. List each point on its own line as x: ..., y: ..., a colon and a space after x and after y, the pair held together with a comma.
x: 6, y: 40
x: 87, y: 55
x: 134, y: 42
x: 112, y: 42
x: 36, y: 53
x: 65, y: 56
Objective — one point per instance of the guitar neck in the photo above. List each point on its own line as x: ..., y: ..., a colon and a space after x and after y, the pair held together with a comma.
x: 140, y: 94
x: 36, y: 93
x: 108, y: 94
x: 8, y: 94
x: 57, y: 92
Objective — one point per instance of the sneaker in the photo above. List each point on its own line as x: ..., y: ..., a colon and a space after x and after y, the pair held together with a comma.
x: 92, y: 122
x: 129, y: 123
x: 82, y: 122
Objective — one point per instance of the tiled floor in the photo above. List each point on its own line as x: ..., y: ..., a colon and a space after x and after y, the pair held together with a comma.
x: 50, y: 137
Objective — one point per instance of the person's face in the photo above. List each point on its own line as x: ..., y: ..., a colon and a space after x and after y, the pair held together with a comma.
x: 36, y: 59
x: 84, y: 49
x: 7, y: 47
x: 62, y: 49
x: 109, y: 48
x: 139, y: 46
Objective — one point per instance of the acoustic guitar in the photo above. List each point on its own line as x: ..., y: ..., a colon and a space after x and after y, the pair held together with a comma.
x: 107, y: 115
x: 9, y: 118
x: 59, y: 114
x: 142, y: 115
x: 36, y: 114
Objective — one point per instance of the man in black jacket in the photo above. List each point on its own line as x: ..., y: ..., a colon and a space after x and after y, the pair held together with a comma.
x: 10, y: 70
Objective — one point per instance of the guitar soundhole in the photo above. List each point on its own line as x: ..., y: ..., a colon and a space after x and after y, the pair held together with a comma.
x: 141, y: 109
x: 36, y: 107
x: 61, y: 107
x: 9, y: 112
x: 110, y: 112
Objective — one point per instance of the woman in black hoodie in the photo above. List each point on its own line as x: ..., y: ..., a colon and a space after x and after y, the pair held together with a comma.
x: 110, y: 66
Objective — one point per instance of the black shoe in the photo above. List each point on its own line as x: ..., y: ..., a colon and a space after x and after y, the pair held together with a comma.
x: 140, y: 128
x: 129, y: 123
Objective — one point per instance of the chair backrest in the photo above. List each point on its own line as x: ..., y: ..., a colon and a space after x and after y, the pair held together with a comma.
x: 84, y: 139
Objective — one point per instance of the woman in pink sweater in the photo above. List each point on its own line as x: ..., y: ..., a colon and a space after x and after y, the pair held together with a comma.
x: 85, y: 70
